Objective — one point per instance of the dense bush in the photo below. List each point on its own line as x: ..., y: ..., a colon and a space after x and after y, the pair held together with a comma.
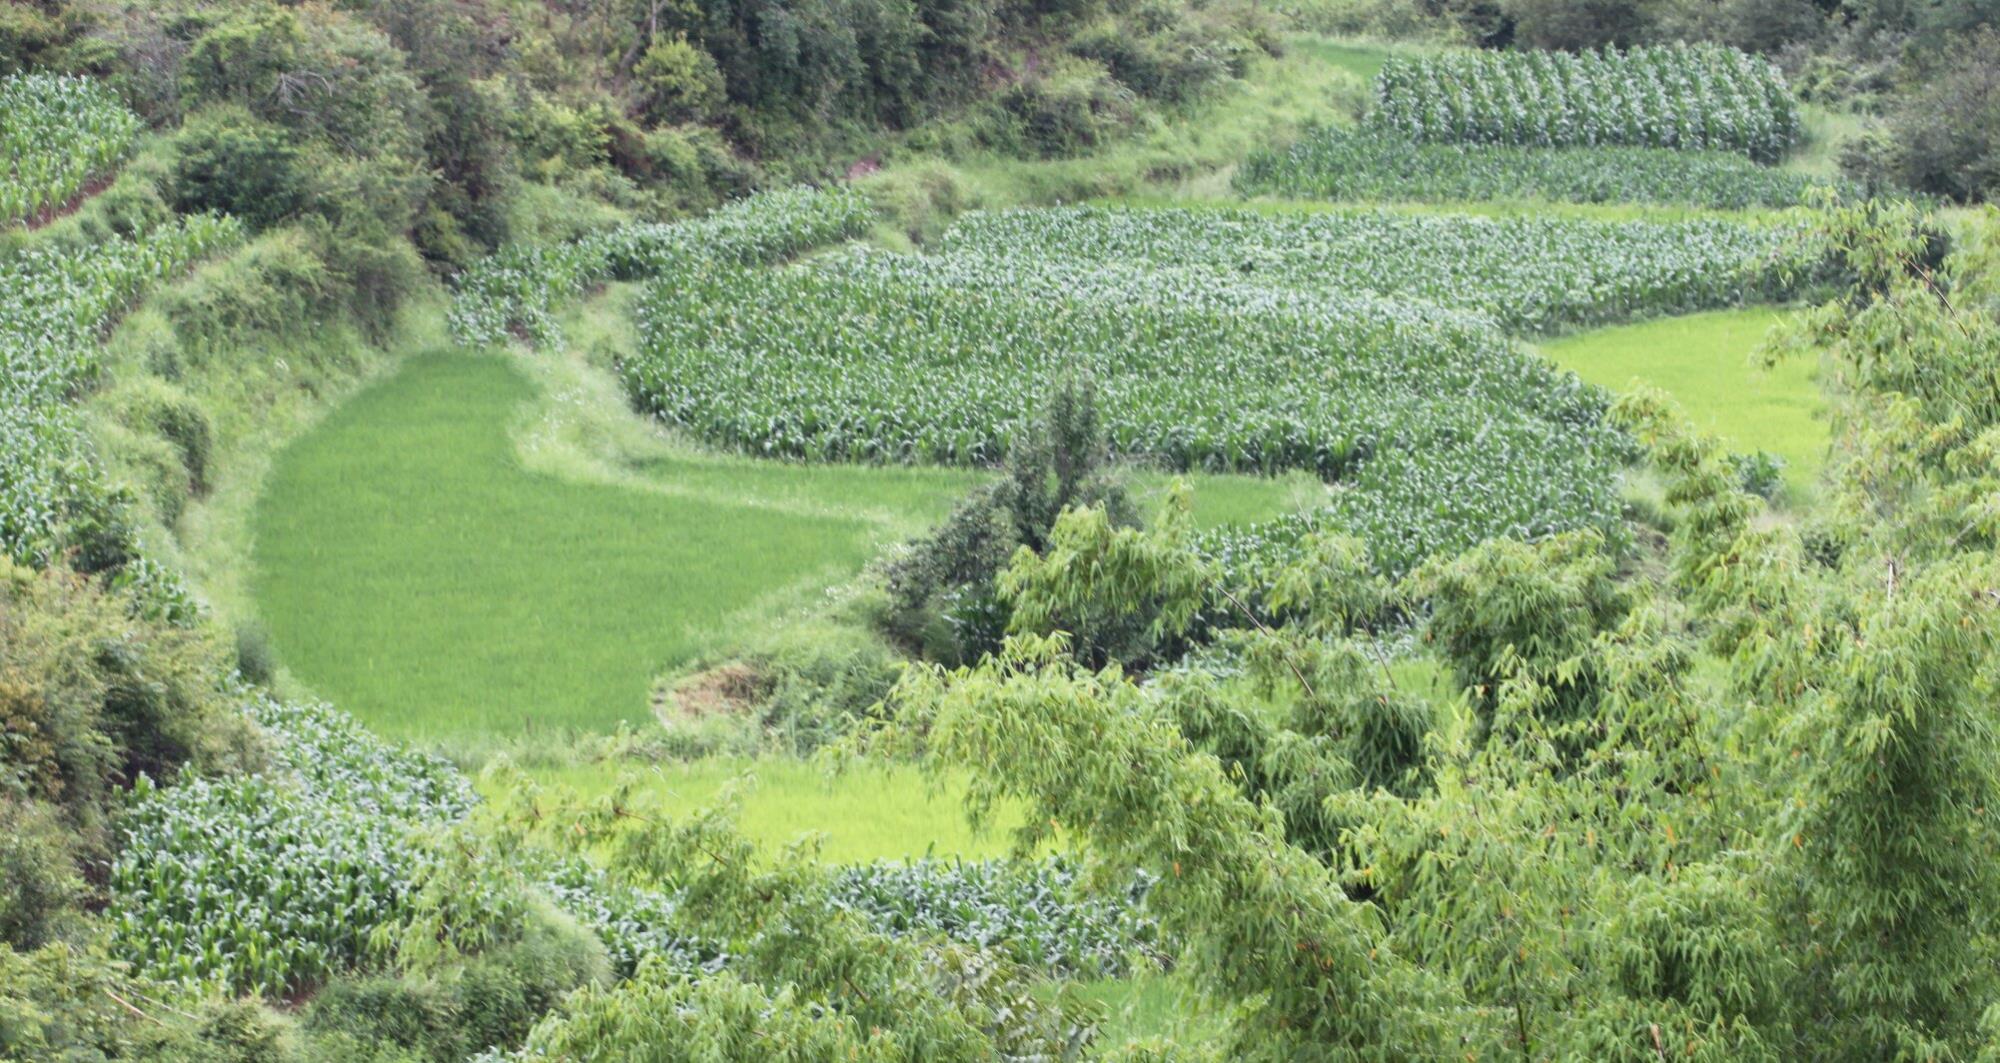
x: 488, y: 1002
x: 1334, y: 163
x: 44, y: 886
x: 681, y: 81
x: 1065, y: 111
x: 942, y: 597
x: 229, y: 162
x: 1944, y: 137
x: 1697, y: 97
x: 1035, y: 913
x: 93, y: 691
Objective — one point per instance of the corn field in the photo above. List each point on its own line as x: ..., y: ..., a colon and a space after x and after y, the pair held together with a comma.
x: 53, y: 308
x: 518, y: 291
x: 1340, y: 164
x: 1682, y: 96
x: 57, y: 133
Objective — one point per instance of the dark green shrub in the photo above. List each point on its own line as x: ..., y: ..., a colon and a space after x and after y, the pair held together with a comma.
x: 681, y: 82
x: 1944, y: 137
x: 1761, y: 473
x: 39, y: 885
x: 1516, y: 615
x: 95, y: 692
x: 1067, y: 110
x: 941, y: 591
x: 692, y: 166
x: 278, y: 283
x: 489, y: 1002
x: 256, y: 661
x: 174, y: 416
x: 229, y: 162
x: 1162, y: 54
x: 319, y: 72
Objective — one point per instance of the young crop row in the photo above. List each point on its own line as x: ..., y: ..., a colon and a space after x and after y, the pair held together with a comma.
x: 517, y: 291
x: 1335, y: 163
x: 1689, y: 97
x: 56, y: 133
x: 53, y: 308
x: 1529, y: 274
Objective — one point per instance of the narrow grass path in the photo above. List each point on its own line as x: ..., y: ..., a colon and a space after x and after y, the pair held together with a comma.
x: 1704, y: 362
x: 409, y: 568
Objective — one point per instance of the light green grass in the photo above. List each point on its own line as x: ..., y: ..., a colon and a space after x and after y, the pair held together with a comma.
x: 871, y: 811
x: 409, y: 568
x: 1363, y: 60
x: 1152, y: 1006
x: 1704, y: 361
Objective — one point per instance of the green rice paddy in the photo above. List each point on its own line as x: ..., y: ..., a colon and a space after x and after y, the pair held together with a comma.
x: 410, y: 568
x: 1705, y: 362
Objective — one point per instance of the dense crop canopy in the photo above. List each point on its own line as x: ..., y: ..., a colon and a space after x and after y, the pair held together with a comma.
x: 1691, y: 97
x: 270, y: 882
x: 1446, y: 433
x: 1335, y: 163
x: 1530, y: 274
x: 57, y: 133
x: 517, y: 290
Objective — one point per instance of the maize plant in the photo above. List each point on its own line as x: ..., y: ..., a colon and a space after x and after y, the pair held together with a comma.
x: 517, y: 291
x: 1690, y: 97
x: 57, y: 133
x: 53, y: 308
x: 1334, y: 163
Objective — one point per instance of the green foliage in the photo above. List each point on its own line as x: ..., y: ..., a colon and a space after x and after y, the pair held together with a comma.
x: 1509, y: 614
x: 93, y: 691
x: 320, y: 73
x: 1260, y: 918
x: 1038, y: 915
x: 1060, y: 463
x: 517, y: 291
x: 1067, y: 111
x: 275, y: 284
x: 55, y: 302
x: 682, y: 82
x: 1699, y: 97
x: 58, y: 133
x: 1940, y: 138
x: 491, y: 1001
x: 663, y: 1016
x: 1335, y: 163
x: 229, y: 162
x: 801, y: 959
x: 44, y: 888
